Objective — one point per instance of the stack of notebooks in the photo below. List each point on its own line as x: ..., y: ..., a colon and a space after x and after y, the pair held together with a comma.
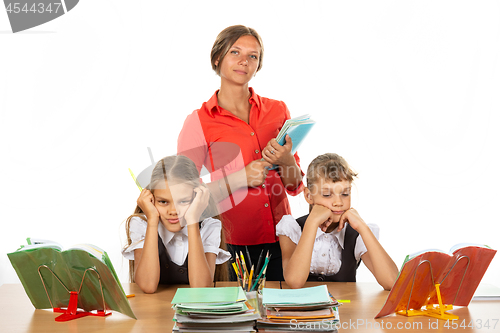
x: 291, y: 310
x: 297, y: 128
x: 213, y: 310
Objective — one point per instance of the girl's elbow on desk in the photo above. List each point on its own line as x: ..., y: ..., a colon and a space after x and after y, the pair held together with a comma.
x: 294, y: 282
x: 200, y: 284
x: 148, y: 289
x: 387, y: 287
x: 295, y: 285
x: 388, y: 281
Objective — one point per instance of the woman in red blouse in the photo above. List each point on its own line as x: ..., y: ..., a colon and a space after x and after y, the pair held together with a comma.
x: 232, y: 136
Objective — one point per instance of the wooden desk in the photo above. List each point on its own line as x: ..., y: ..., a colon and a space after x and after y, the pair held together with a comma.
x: 155, y: 314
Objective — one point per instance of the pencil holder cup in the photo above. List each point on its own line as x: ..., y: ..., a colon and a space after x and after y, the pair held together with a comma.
x: 261, y: 285
x: 255, y: 300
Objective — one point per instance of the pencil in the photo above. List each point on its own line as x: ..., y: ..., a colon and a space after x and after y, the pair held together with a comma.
x: 263, y: 279
x: 265, y: 270
x: 235, y: 269
x: 261, y: 272
x: 243, y: 262
x: 248, y: 256
x: 265, y: 266
x: 250, y: 278
x: 239, y: 267
x: 259, y: 262
x: 135, y: 180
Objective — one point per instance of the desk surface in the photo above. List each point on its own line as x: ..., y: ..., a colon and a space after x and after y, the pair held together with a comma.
x: 154, y: 313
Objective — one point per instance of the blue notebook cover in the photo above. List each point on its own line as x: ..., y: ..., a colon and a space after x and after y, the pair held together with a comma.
x: 297, y: 133
x: 297, y: 128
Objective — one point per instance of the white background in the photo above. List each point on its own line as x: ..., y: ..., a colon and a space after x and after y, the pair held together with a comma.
x: 407, y: 92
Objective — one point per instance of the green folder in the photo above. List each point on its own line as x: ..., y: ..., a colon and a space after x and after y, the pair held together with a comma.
x: 33, y: 263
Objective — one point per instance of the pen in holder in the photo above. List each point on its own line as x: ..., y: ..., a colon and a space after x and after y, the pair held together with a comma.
x: 261, y: 284
x: 240, y: 282
x: 257, y: 285
x: 260, y: 281
x: 249, y: 280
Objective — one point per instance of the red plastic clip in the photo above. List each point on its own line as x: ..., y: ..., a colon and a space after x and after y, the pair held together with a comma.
x: 71, y: 312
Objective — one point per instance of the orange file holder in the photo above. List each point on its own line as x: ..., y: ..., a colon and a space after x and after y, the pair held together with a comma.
x: 431, y: 283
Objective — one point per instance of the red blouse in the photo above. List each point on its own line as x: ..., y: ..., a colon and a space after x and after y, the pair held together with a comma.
x: 215, y: 138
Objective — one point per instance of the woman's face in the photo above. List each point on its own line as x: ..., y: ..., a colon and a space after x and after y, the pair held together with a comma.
x: 172, y: 202
x: 240, y: 63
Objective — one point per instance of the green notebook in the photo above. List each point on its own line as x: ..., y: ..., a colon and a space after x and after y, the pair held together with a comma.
x: 221, y: 295
x: 303, y: 296
x: 68, y: 266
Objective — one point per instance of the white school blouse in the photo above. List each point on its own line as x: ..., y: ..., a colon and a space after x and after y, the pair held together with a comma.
x: 176, y: 243
x: 327, y: 251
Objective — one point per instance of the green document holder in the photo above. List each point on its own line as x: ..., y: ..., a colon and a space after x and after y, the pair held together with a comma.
x: 73, y: 282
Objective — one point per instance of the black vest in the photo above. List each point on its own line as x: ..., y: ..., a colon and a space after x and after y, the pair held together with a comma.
x: 347, y: 272
x: 170, y: 272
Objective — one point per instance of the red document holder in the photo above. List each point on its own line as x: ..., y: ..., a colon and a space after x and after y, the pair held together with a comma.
x: 438, y: 310
x: 72, y: 311
x: 431, y: 283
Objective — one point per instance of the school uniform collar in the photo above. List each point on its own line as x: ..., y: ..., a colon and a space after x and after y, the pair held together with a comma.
x: 213, y: 106
x: 167, y: 236
x: 339, y: 235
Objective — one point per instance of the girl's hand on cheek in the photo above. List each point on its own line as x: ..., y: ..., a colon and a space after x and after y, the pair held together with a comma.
x: 146, y: 203
x: 199, y: 204
x: 351, y: 216
x: 321, y: 216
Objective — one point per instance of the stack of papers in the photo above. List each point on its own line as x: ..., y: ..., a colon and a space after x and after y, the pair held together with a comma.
x: 213, y: 310
x: 291, y: 310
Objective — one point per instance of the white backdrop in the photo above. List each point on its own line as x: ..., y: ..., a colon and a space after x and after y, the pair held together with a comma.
x: 407, y: 92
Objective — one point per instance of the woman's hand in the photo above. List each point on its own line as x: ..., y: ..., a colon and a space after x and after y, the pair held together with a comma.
x: 198, y: 205
x: 146, y: 202
x: 321, y: 216
x: 274, y: 153
x: 351, y: 216
x: 256, y: 172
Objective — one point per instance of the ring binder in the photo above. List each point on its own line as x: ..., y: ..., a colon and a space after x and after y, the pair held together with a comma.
x: 72, y: 312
